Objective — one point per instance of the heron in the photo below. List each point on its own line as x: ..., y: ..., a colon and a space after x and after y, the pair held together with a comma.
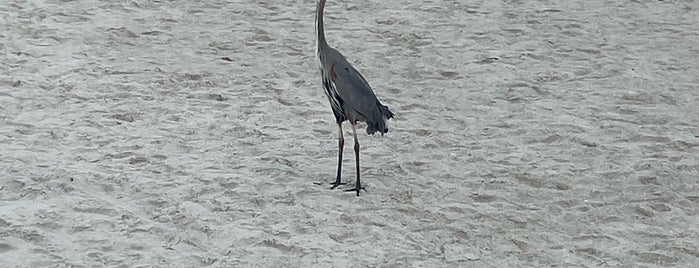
x: 350, y: 95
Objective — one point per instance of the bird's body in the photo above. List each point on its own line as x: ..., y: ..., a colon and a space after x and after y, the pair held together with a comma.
x: 350, y: 95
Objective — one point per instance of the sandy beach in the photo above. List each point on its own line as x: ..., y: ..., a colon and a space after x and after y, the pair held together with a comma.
x: 146, y: 133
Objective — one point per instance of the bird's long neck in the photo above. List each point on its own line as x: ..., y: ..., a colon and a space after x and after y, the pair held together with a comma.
x: 319, y: 25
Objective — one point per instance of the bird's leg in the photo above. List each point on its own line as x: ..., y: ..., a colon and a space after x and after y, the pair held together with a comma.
x: 358, y: 185
x: 341, y: 145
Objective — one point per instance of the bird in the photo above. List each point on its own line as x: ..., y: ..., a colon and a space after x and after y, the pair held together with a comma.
x: 350, y: 95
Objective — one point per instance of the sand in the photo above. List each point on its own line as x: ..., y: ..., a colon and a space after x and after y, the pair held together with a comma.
x: 142, y: 133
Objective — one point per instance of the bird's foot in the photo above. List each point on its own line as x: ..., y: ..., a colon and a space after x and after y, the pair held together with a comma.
x: 336, y: 183
x: 356, y: 189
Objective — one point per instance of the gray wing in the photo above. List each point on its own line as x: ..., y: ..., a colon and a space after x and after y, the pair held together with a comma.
x: 358, y: 99
x: 356, y: 93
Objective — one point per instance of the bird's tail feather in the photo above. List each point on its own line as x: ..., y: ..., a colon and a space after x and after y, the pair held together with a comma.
x: 379, y: 122
x: 387, y: 114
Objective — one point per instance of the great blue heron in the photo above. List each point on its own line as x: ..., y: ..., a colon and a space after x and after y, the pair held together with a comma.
x: 351, y: 98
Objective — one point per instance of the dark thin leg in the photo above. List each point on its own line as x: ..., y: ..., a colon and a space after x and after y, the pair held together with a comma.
x: 358, y: 185
x: 341, y: 145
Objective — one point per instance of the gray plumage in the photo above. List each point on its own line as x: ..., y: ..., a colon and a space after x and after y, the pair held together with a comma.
x: 359, y: 101
x: 350, y: 95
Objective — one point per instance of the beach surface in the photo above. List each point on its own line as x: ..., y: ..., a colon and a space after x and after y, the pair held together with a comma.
x: 139, y: 133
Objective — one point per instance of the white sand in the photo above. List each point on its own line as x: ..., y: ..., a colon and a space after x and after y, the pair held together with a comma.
x: 527, y: 133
